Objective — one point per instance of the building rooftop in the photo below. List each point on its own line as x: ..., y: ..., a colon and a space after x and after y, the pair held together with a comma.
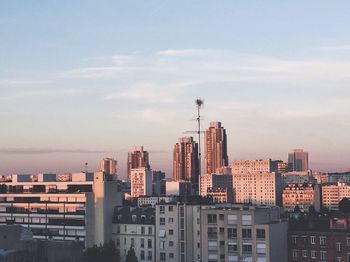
x: 134, y: 215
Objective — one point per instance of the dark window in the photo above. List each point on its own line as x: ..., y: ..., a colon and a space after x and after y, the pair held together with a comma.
x: 232, y: 232
x: 212, y: 218
x: 246, y: 233
x: 260, y: 233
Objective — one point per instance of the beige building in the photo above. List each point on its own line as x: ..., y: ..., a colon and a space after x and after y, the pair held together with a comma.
x: 185, y: 160
x: 141, y: 182
x: 215, y: 148
x: 77, y: 210
x: 108, y: 165
x: 177, y: 232
x: 137, y: 158
x: 243, y: 233
x: 332, y: 194
x: 253, y: 166
x: 135, y: 227
x: 178, y: 188
x: 302, y: 195
x: 258, y: 188
x: 218, y: 186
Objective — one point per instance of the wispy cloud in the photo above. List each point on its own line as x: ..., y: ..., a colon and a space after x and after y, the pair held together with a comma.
x: 39, y: 151
x: 94, y: 72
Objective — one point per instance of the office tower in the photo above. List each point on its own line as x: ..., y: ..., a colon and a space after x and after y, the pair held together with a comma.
x: 215, y: 148
x: 254, y: 166
x: 185, y: 160
x: 137, y: 158
x: 135, y: 227
x: 218, y: 186
x: 77, y: 210
x: 108, y: 165
x: 141, y: 182
x: 302, y: 195
x: 177, y: 232
x: 298, y: 160
x: 258, y: 188
x: 243, y: 233
x: 333, y: 193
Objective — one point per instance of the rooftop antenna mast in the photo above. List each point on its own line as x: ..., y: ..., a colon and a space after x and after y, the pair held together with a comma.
x: 199, y: 104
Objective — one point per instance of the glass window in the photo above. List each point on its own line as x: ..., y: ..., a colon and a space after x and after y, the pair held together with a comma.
x: 246, y: 220
x: 212, y: 219
x: 260, y: 233
x: 232, y: 219
x: 246, y: 233
x: 261, y: 248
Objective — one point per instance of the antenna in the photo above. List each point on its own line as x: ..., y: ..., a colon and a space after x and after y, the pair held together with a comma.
x: 199, y: 103
x: 86, y: 167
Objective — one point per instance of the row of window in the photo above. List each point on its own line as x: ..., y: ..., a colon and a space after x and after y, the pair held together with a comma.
x: 322, y: 241
x: 232, y: 233
x: 313, y: 254
x: 231, y: 219
x: 232, y: 247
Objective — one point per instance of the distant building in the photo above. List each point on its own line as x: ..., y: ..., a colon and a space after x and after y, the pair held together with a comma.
x: 336, y: 177
x: 321, y: 177
x: 298, y: 160
x: 153, y: 200
x: 185, y: 161
x: 77, y: 210
x: 282, y: 167
x: 141, y: 182
x: 302, y: 195
x: 215, y: 148
x: 178, y: 188
x: 333, y: 193
x: 258, y: 188
x: 254, y: 166
x: 178, y: 232
x: 298, y: 177
x: 137, y: 158
x: 108, y: 165
x: 158, y: 183
x: 218, y: 186
x: 135, y: 227
x: 243, y: 233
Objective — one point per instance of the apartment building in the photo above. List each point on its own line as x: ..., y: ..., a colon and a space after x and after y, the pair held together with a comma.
x: 298, y: 177
x: 141, y: 182
x: 135, y: 228
x: 258, y: 188
x: 243, y: 233
x: 219, y: 186
x: 153, y: 200
x: 302, y: 195
x: 254, y: 166
x: 333, y: 193
x: 80, y: 209
x: 177, y: 232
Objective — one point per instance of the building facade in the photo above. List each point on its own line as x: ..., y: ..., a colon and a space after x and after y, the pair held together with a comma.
x: 333, y: 193
x: 254, y: 166
x: 298, y: 177
x: 109, y: 166
x: 137, y: 158
x: 241, y: 233
x: 141, y: 182
x: 218, y: 186
x: 298, y: 160
x: 258, y: 188
x: 215, y: 148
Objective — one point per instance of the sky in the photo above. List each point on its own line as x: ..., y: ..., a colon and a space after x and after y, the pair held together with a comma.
x: 83, y: 80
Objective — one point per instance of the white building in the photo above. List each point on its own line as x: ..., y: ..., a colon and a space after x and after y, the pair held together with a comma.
x: 79, y: 210
x: 134, y: 227
x: 141, y: 182
x: 258, y: 188
x: 332, y: 194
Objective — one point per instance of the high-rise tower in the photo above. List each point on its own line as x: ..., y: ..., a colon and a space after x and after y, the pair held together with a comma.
x: 137, y: 158
x: 298, y: 160
x: 215, y: 148
x: 185, y: 160
x: 108, y: 165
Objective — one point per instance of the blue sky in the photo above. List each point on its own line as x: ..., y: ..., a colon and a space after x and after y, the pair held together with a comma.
x: 81, y: 80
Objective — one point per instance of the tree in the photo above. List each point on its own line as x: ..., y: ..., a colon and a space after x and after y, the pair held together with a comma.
x: 131, y: 256
x: 105, y: 253
x: 344, y: 205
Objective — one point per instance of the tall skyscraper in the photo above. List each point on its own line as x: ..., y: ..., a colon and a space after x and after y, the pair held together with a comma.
x: 108, y: 165
x: 185, y: 160
x: 298, y: 160
x: 215, y: 147
x: 137, y: 158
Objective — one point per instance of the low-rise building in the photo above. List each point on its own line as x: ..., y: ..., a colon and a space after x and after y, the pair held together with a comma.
x: 219, y: 186
x: 302, y: 195
x: 297, y: 177
x: 135, y: 228
x: 333, y: 193
x: 238, y: 233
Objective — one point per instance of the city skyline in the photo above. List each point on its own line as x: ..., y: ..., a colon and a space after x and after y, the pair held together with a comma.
x: 93, y: 80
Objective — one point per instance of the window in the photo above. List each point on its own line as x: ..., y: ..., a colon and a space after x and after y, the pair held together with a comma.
x: 142, y: 230
x: 322, y: 241
x: 212, y: 218
x: 171, y: 243
x: 295, y: 254
x: 261, y: 259
x: 142, y: 242
x: 247, y: 248
x: 312, y: 240
x: 304, y: 253
x: 149, y: 257
x: 260, y: 233
x: 232, y: 219
x: 248, y: 259
x: 222, y: 230
x: 142, y: 255
x: 150, y: 230
x: 162, y: 221
x: 212, y: 245
x: 313, y: 254
x: 171, y: 255
x: 232, y: 247
x: 294, y: 239
x: 233, y: 258
x: 162, y: 233
x: 162, y: 209
x: 222, y: 243
x: 261, y: 248
x: 171, y: 220
x: 246, y: 220
x: 339, y: 259
x: 171, y: 232
x: 246, y: 233
x: 212, y: 232
x: 213, y: 257
x: 170, y: 208
x: 338, y: 245
x: 162, y: 244
x: 162, y: 256
x: 323, y: 255
x: 149, y: 243
x: 231, y: 233
x: 221, y: 216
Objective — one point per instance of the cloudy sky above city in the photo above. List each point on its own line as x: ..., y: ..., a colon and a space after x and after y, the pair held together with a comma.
x: 82, y: 80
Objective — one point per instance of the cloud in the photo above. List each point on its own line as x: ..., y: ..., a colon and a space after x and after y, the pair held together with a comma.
x: 94, y: 72
x: 336, y: 47
x: 39, y: 151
